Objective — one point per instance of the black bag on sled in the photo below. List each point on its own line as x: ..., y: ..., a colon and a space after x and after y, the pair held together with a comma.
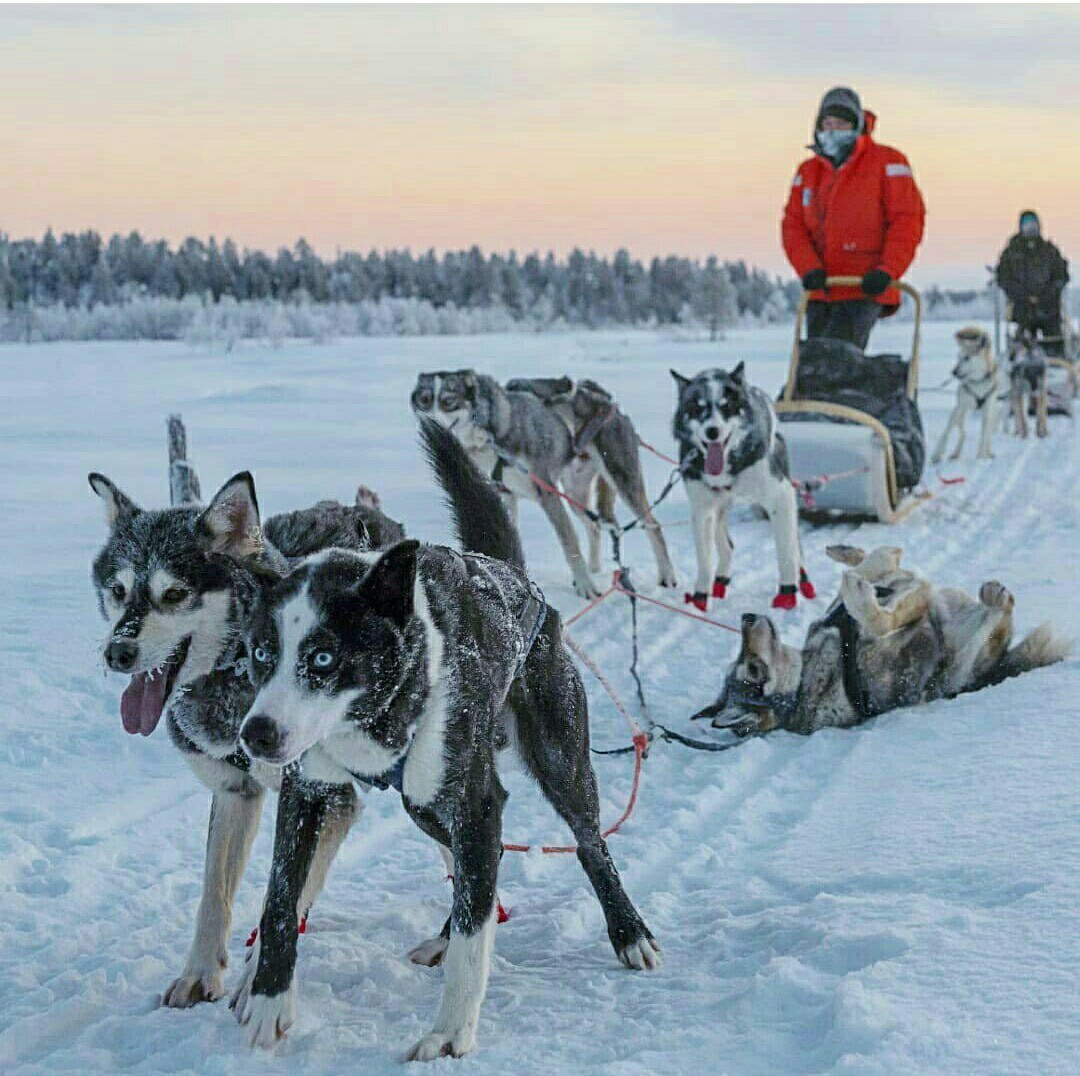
x: 835, y: 371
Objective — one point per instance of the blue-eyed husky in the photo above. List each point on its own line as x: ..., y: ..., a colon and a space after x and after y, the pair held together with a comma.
x: 176, y: 587
x: 730, y: 449
x: 423, y: 660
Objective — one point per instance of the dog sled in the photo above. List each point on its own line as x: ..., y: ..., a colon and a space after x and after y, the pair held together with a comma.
x: 852, y: 426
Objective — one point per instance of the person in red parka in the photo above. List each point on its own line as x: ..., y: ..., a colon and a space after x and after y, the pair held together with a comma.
x: 854, y: 210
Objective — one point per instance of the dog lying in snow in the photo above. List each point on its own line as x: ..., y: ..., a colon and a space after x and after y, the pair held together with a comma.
x: 606, y: 460
x: 176, y: 587
x: 729, y: 450
x: 890, y: 639
x: 977, y: 391
x: 424, y: 660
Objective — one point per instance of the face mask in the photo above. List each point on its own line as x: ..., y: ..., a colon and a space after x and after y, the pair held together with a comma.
x: 1029, y: 228
x: 834, y: 143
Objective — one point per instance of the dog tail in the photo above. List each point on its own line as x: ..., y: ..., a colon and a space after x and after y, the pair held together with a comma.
x: 183, y: 481
x: 482, y: 523
x: 1038, y: 649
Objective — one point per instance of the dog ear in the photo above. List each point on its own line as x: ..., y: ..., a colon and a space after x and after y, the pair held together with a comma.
x: 851, y: 555
x: 737, y: 375
x: 117, y: 504
x: 680, y: 381
x: 388, y: 587
x: 232, y: 520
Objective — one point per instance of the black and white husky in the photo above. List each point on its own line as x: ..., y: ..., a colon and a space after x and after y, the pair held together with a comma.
x: 176, y: 587
x: 730, y: 449
x: 426, y: 660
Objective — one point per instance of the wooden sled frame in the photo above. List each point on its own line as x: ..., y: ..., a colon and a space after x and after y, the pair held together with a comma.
x: 891, y: 506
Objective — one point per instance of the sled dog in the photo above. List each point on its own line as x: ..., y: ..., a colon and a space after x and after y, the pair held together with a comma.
x: 606, y: 460
x: 424, y: 660
x: 176, y: 587
x: 890, y: 639
x: 977, y: 391
x: 504, y: 431
x: 1027, y: 384
x: 730, y: 449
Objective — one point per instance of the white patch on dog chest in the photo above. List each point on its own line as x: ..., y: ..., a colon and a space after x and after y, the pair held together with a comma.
x: 425, y: 765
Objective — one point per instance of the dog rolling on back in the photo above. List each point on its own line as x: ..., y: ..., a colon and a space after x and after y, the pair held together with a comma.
x: 890, y: 639
x: 427, y: 660
x: 606, y: 460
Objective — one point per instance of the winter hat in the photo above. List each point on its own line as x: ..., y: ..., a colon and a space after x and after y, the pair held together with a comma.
x: 1029, y: 215
x: 844, y: 104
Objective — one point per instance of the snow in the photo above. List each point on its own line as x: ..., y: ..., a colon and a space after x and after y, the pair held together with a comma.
x: 898, y: 898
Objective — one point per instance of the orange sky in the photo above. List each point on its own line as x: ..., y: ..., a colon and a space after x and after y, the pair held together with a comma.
x: 665, y: 130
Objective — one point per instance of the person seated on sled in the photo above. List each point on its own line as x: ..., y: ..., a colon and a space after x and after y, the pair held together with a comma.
x: 853, y: 210
x: 1033, y: 275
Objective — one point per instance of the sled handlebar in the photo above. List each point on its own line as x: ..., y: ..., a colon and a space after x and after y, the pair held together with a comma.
x: 855, y: 282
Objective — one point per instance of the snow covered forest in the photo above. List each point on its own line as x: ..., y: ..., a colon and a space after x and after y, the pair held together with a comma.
x: 83, y: 287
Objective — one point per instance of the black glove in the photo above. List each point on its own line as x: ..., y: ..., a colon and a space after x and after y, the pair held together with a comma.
x: 814, y: 280
x: 875, y: 282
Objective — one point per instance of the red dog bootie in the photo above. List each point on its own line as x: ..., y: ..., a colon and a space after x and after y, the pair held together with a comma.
x: 805, y: 586
x: 698, y: 601
x: 785, y: 599
x: 720, y: 585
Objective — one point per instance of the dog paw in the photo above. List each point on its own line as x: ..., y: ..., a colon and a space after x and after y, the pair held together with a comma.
x: 785, y: 600
x: 268, y: 1017
x: 669, y: 581
x: 699, y: 600
x: 438, y: 1044
x: 719, y: 589
x: 996, y: 595
x: 194, y: 986
x: 238, y: 1001
x: 642, y: 955
x: 586, y: 589
x: 430, y: 953
x: 806, y: 588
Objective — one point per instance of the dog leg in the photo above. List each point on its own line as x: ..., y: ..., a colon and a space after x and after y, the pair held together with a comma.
x: 553, y: 738
x: 908, y: 601
x: 943, y: 441
x: 989, y: 420
x: 961, y: 427
x: 556, y: 512
x: 784, y: 518
x: 631, y: 487
x: 1041, y: 409
x: 477, y: 850
x: 702, y: 518
x: 1020, y: 415
x: 980, y: 638
x: 430, y: 953
x: 725, y: 547
x: 582, y: 483
x: 234, y: 821
x: 312, y: 821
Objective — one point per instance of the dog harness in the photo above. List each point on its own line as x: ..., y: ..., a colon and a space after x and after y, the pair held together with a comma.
x: 971, y: 386
x: 587, y: 434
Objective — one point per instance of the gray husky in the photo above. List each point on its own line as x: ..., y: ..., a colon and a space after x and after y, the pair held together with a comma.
x: 730, y: 449
x: 890, y: 639
x: 177, y: 587
x: 606, y: 460
x: 423, y: 661
x: 499, y: 428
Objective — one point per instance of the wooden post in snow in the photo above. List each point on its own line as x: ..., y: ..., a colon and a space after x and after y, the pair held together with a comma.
x: 183, y: 481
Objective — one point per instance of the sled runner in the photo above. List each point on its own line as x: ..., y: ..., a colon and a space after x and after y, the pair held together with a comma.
x: 851, y: 423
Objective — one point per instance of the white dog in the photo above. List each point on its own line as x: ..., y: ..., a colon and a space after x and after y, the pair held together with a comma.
x: 977, y: 372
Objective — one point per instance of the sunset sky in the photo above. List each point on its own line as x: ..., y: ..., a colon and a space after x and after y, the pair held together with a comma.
x: 661, y: 129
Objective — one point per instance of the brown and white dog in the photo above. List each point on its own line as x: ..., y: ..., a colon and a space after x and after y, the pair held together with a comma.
x: 977, y: 373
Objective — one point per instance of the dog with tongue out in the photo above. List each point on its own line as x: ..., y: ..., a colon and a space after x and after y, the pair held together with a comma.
x: 730, y: 450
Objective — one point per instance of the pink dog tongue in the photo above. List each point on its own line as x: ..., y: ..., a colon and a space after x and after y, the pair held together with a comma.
x: 142, y: 703
x: 714, y: 458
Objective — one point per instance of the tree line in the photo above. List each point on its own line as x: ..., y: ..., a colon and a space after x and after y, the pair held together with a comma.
x: 85, y: 270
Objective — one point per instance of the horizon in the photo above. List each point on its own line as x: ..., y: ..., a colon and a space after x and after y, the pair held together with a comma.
x: 660, y: 130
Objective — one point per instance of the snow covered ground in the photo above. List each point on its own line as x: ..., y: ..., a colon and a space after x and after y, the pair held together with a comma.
x: 898, y: 898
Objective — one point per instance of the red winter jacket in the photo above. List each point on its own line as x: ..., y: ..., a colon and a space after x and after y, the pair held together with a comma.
x: 866, y: 214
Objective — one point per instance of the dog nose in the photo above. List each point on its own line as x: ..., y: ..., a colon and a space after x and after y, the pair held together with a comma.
x: 261, y: 735
x: 120, y: 656
x: 712, y: 433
